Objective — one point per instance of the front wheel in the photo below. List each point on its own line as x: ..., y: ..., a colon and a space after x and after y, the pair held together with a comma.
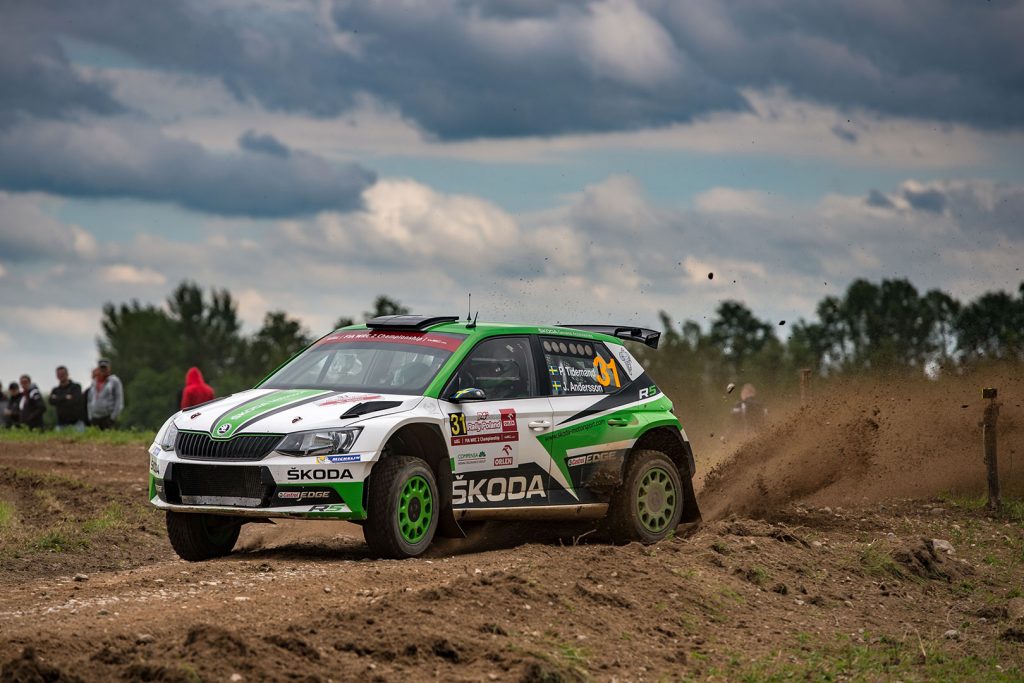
x: 403, y: 507
x: 196, y: 536
x: 648, y: 504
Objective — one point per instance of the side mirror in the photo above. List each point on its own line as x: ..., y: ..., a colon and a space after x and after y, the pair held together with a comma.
x: 468, y: 395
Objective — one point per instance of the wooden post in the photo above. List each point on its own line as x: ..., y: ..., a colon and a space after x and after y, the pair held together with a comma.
x: 988, y: 436
x: 805, y: 379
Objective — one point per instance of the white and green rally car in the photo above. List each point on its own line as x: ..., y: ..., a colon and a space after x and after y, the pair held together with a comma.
x: 414, y: 426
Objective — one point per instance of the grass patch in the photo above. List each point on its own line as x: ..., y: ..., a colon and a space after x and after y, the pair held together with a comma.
x: 58, y: 542
x: 879, y: 562
x: 1012, y: 508
x: 6, y: 513
x: 112, y: 516
x: 109, y: 437
x: 882, y: 658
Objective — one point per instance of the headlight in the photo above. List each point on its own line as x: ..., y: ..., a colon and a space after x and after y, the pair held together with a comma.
x: 319, y: 442
x: 169, y: 436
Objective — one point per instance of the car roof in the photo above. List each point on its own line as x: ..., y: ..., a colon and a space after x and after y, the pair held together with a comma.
x: 490, y: 329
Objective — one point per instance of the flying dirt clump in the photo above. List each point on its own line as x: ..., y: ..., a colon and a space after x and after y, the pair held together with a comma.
x: 869, y: 441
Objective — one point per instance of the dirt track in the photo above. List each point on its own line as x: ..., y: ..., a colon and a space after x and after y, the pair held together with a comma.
x: 854, y: 589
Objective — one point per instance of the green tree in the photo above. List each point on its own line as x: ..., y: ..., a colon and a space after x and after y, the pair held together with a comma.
x: 992, y: 327
x: 385, y: 305
x: 276, y: 341
x: 739, y: 335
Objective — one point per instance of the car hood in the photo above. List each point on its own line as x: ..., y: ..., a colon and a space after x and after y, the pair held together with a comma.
x: 280, y: 411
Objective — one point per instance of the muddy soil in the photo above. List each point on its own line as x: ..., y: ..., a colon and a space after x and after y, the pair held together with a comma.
x: 793, y: 574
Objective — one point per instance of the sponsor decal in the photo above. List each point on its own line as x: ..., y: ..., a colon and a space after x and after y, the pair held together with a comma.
x: 627, y: 360
x: 303, y: 495
x: 336, y: 507
x: 321, y: 459
x: 346, y: 398
x: 437, y: 340
x: 319, y: 474
x: 648, y: 392
x: 485, y: 428
x: 471, y: 458
x: 565, y: 332
x: 588, y: 458
x: 262, y: 406
x: 154, y: 466
x: 503, y: 461
x: 496, y: 489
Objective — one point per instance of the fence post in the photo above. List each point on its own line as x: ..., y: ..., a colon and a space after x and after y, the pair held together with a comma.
x: 805, y: 378
x: 988, y: 436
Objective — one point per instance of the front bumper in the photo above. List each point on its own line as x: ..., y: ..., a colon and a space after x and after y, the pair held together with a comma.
x: 276, y: 486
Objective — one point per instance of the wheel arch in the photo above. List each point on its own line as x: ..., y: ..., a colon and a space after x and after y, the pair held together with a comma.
x: 669, y: 440
x: 426, y: 441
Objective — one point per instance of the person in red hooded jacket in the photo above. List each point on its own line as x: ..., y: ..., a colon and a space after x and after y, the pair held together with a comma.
x: 196, y: 390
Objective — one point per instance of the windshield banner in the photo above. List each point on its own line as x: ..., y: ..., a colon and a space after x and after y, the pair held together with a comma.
x: 436, y: 340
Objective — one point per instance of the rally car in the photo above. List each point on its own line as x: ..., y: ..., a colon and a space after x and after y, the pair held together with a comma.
x: 414, y: 426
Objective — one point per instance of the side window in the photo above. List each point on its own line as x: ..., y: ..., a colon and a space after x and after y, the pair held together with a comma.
x: 581, y: 367
x: 502, y: 367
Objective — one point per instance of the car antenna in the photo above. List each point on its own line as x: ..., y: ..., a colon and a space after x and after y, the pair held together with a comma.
x: 470, y: 326
x: 469, y: 310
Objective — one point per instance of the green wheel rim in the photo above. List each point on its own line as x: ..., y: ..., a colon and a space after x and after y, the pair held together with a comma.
x: 656, y: 500
x: 415, y: 509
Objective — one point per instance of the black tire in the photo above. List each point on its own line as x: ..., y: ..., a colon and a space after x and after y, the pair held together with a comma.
x: 391, y: 478
x: 652, y: 477
x: 197, y: 537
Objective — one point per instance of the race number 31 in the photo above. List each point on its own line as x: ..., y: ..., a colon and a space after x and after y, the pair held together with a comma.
x: 607, y: 371
x: 458, y: 424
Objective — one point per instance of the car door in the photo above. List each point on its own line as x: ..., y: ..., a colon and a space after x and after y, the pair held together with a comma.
x: 496, y: 458
x: 591, y: 434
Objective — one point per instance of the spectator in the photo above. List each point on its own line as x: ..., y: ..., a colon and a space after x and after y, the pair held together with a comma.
x: 67, y: 398
x: 106, y: 397
x: 88, y: 392
x: 196, y: 390
x: 31, y: 406
x: 8, y: 406
x: 749, y: 411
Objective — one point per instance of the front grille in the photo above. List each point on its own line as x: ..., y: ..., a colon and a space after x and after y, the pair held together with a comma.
x: 200, y: 446
x: 219, y: 484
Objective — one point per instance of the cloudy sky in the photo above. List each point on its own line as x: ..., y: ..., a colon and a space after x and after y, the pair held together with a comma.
x: 586, y: 161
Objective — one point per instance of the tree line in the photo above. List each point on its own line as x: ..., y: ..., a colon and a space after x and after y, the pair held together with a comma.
x: 151, y: 347
x: 887, y: 327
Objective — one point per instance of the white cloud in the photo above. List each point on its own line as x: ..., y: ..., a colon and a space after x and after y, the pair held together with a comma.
x: 123, y: 273
x: 606, y: 253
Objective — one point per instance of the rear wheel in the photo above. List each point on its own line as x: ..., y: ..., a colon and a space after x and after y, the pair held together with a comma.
x: 403, y: 507
x: 648, y: 504
x: 196, y: 537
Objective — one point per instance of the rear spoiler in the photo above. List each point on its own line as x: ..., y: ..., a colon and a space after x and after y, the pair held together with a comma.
x: 637, y: 334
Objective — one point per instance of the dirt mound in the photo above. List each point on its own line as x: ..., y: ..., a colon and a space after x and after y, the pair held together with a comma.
x: 872, y: 441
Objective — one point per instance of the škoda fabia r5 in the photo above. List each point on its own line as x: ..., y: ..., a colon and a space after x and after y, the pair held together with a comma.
x: 414, y: 426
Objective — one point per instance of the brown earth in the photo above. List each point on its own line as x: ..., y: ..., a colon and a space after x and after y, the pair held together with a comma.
x: 830, y: 571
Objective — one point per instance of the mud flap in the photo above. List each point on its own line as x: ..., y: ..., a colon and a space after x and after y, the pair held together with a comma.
x: 691, y: 512
x: 447, y: 525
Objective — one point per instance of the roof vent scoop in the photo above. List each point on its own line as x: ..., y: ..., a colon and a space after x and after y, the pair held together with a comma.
x: 416, y: 323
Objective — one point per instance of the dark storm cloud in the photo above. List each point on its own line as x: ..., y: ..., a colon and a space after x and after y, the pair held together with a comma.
x: 878, y: 200
x: 844, y: 134
x: 932, y: 200
x: 137, y: 162
x: 466, y: 69
x: 266, y: 144
x: 36, y: 79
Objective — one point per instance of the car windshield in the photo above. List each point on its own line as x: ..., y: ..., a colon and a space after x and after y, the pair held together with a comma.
x: 366, y: 360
